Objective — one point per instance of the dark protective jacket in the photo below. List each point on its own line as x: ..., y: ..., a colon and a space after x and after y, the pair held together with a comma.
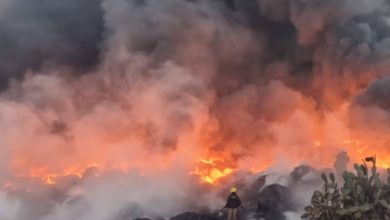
x: 233, y: 201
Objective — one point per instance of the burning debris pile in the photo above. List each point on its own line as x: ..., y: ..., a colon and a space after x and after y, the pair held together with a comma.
x: 267, y: 195
x: 118, y: 109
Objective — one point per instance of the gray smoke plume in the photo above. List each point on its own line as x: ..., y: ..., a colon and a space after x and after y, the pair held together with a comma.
x: 33, y: 34
x: 141, y: 89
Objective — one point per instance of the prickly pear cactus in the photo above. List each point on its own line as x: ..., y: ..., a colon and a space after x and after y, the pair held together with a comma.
x: 324, y: 204
x: 364, y: 196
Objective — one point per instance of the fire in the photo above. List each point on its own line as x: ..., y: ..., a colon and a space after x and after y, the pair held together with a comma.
x: 359, y: 148
x: 213, y: 167
x: 49, y: 177
x: 212, y: 170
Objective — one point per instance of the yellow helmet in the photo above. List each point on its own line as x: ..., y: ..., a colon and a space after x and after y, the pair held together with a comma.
x: 233, y: 189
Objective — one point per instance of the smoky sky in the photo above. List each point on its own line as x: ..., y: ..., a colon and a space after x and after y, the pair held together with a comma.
x: 34, y: 33
x: 307, y: 38
x: 153, y: 85
x: 248, y: 66
x: 251, y: 65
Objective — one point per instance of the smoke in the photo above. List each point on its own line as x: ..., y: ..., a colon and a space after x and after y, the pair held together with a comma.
x: 141, y: 90
x: 48, y: 33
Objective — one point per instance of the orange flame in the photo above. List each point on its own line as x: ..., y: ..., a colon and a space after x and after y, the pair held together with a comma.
x: 212, y: 170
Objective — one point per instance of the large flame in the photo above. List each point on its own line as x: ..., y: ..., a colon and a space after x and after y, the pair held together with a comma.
x: 213, y: 149
x: 212, y: 170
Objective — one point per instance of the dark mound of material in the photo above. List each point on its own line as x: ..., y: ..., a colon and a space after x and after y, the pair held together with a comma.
x: 274, y: 195
x: 195, y: 216
x: 273, y: 201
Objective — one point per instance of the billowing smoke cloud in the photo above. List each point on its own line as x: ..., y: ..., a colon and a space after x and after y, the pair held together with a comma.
x: 33, y: 34
x: 141, y: 90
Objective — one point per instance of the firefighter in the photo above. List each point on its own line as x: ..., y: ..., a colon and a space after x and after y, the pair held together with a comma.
x: 232, y: 204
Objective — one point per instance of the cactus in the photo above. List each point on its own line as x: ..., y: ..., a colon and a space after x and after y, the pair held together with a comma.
x: 363, y: 196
